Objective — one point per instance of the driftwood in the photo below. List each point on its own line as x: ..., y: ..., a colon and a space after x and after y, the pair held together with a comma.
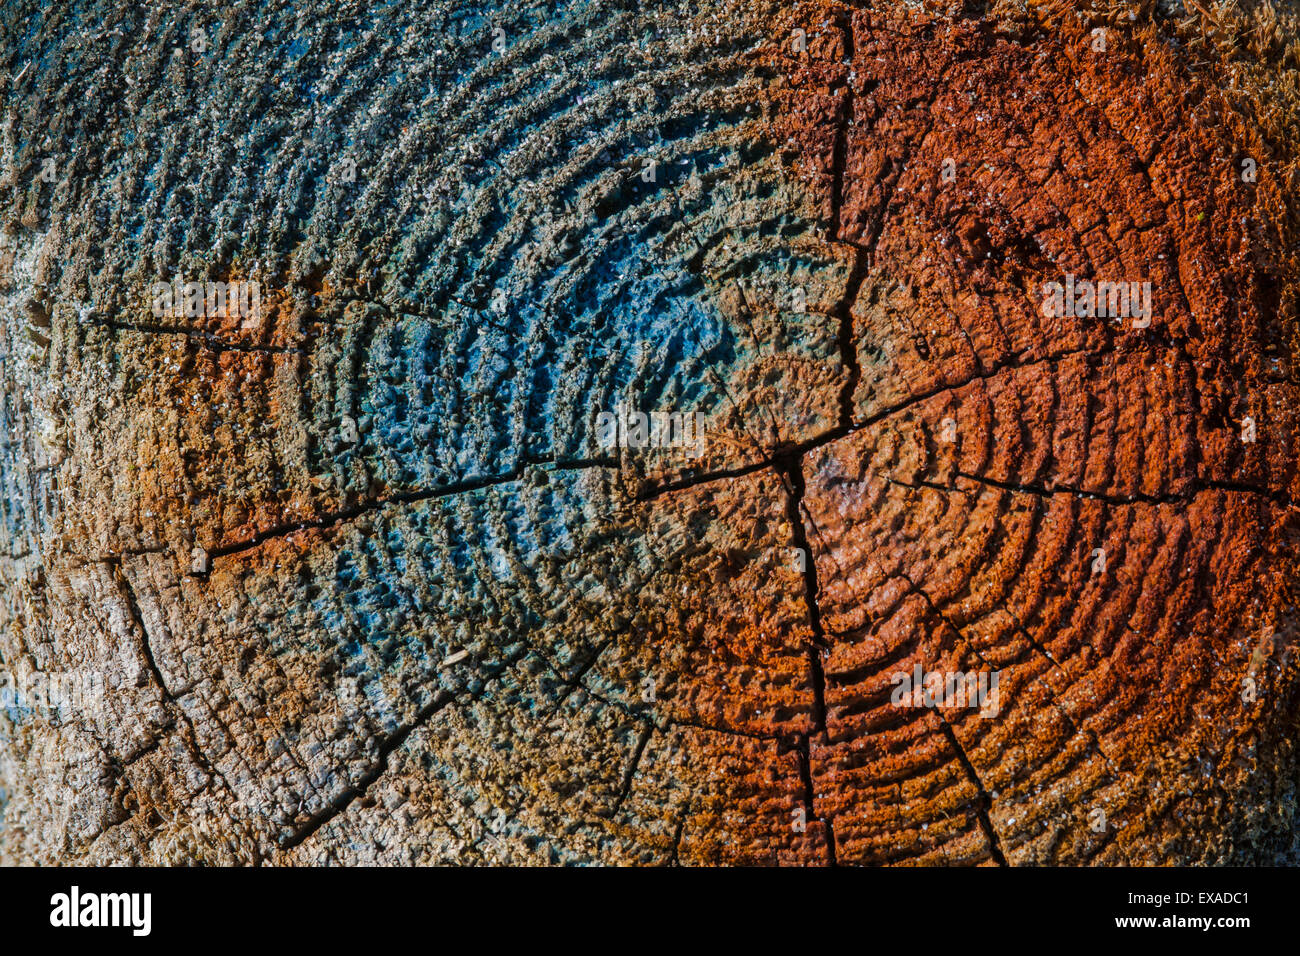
x: 901, y: 538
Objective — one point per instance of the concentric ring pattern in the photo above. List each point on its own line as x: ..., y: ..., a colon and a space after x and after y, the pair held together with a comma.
x: 368, y: 577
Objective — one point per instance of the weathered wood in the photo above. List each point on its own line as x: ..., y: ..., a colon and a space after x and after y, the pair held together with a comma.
x: 360, y: 581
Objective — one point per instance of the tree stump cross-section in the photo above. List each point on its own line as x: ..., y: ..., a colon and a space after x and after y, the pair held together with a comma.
x: 742, y: 433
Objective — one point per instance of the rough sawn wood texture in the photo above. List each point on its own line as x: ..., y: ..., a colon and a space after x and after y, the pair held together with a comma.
x: 359, y: 583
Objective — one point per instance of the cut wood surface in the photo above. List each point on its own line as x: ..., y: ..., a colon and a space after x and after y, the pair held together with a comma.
x: 353, y: 577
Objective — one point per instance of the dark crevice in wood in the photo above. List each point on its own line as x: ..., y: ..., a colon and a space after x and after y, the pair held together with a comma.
x: 401, y: 498
x: 169, y: 700
x: 629, y: 774
x: 377, y: 770
x: 793, y: 479
x: 984, y: 801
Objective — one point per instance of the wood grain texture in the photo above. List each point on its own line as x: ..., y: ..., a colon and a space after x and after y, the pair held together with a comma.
x: 361, y: 584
